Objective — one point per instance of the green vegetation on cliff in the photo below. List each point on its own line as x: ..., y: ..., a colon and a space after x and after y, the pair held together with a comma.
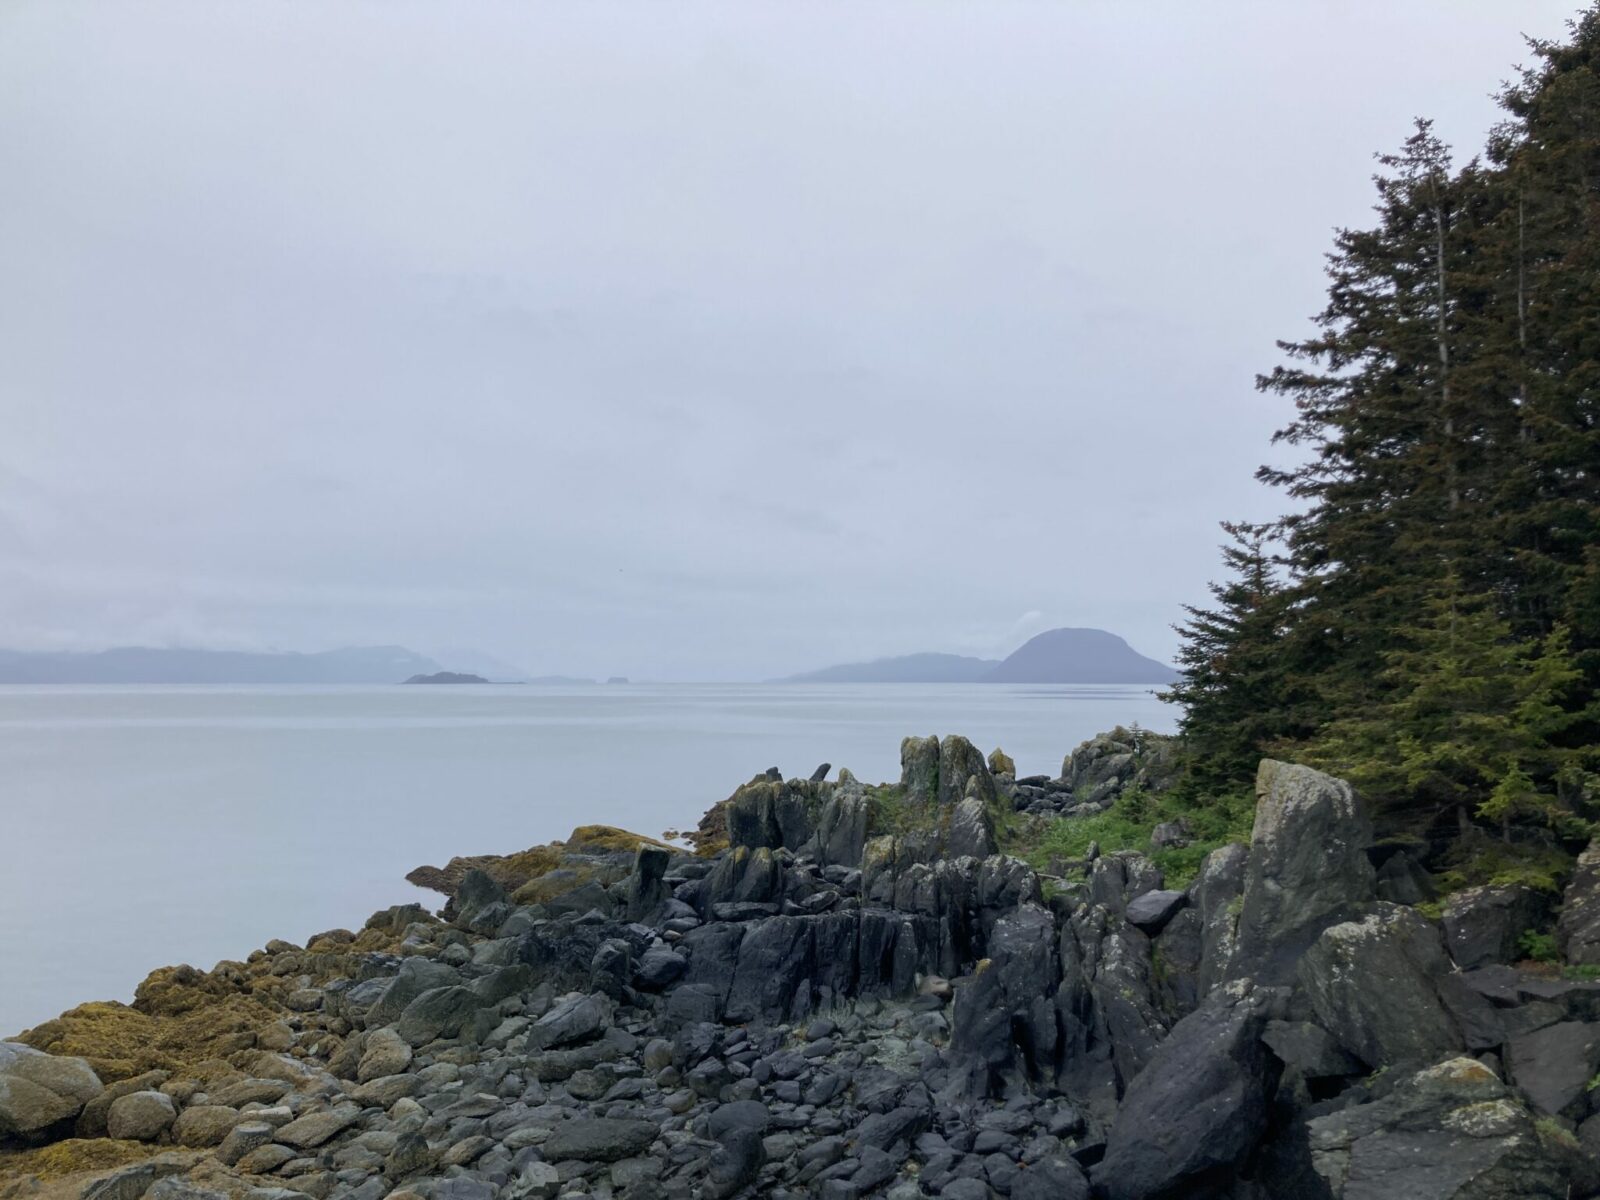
x: 1426, y: 621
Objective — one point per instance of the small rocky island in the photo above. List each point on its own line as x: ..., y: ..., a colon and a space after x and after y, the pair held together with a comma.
x: 848, y: 991
x: 447, y: 677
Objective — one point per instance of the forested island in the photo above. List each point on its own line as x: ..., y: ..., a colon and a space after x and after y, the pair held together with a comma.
x: 1339, y: 938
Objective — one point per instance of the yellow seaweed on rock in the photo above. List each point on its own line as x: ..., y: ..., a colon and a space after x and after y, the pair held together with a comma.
x: 610, y: 839
x: 120, y: 1041
x: 72, y: 1155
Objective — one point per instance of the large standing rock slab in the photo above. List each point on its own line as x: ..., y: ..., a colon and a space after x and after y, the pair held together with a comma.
x: 1578, y: 930
x: 1370, y: 983
x: 963, y: 771
x: 1200, y: 1105
x: 971, y: 830
x: 1308, y: 867
x: 919, y: 769
x: 1216, y: 895
x: 774, y: 963
x: 38, y: 1090
x: 1553, y: 1066
x: 1484, y: 925
x: 1451, y: 1132
x: 1003, y: 1019
x: 647, y: 891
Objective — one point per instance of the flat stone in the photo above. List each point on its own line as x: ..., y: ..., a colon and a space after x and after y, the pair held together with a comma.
x: 314, y: 1129
x: 598, y: 1139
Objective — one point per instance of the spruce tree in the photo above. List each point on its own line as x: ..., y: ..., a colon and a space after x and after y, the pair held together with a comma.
x: 1469, y: 718
x: 1233, y: 686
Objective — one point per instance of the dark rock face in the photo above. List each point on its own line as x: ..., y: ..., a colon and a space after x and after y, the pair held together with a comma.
x: 1483, y: 925
x: 1451, y: 1130
x: 1370, y: 983
x: 1198, y: 1108
x: 1554, y: 1066
x: 1308, y: 867
x: 971, y: 830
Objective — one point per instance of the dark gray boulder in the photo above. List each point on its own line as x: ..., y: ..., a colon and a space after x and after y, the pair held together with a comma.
x: 1003, y: 1018
x: 598, y: 1139
x: 1051, y: 1179
x: 1201, y: 1104
x: 658, y: 968
x: 1370, y: 983
x: 1152, y: 910
x: 1484, y: 925
x: 1452, y: 1131
x: 1554, y: 1065
x: 971, y: 830
x: 574, y: 1021
x: 1307, y: 870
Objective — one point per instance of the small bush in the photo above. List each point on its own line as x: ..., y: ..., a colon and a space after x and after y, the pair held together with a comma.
x: 1541, y: 947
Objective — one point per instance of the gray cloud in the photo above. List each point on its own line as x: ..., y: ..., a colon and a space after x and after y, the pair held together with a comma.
x: 678, y: 341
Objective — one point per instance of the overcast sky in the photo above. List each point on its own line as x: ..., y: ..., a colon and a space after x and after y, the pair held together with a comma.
x: 688, y: 341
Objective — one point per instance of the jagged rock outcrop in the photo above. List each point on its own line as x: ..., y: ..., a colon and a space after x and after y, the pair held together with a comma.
x: 1105, y: 766
x: 1308, y: 868
x: 1371, y: 984
x: 1484, y: 925
x: 1452, y: 1131
x: 1200, y: 1106
x: 858, y: 994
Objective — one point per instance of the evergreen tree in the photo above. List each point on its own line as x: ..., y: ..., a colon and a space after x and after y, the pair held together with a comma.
x: 1233, y: 687
x: 1434, y: 628
x: 1469, y: 718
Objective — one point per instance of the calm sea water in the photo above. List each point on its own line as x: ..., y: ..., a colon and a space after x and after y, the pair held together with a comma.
x: 141, y: 826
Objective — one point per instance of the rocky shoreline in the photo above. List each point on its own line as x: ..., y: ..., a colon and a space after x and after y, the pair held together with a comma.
x: 849, y: 991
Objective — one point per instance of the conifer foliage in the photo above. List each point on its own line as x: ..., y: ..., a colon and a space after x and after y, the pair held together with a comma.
x: 1427, y: 618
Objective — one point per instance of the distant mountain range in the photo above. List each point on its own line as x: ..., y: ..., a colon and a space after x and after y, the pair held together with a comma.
x: 143, y: 664
x: 1056, y: 656
x: 353, y: 664
x: 1059, y: 656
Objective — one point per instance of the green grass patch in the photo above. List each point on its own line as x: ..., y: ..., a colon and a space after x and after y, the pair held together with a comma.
x: 1127, y: 825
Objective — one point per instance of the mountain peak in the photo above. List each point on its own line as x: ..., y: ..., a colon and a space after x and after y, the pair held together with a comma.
x: 1073, y: 655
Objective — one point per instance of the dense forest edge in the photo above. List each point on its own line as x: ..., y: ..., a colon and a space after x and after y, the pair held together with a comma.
x: 1425, y: 619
